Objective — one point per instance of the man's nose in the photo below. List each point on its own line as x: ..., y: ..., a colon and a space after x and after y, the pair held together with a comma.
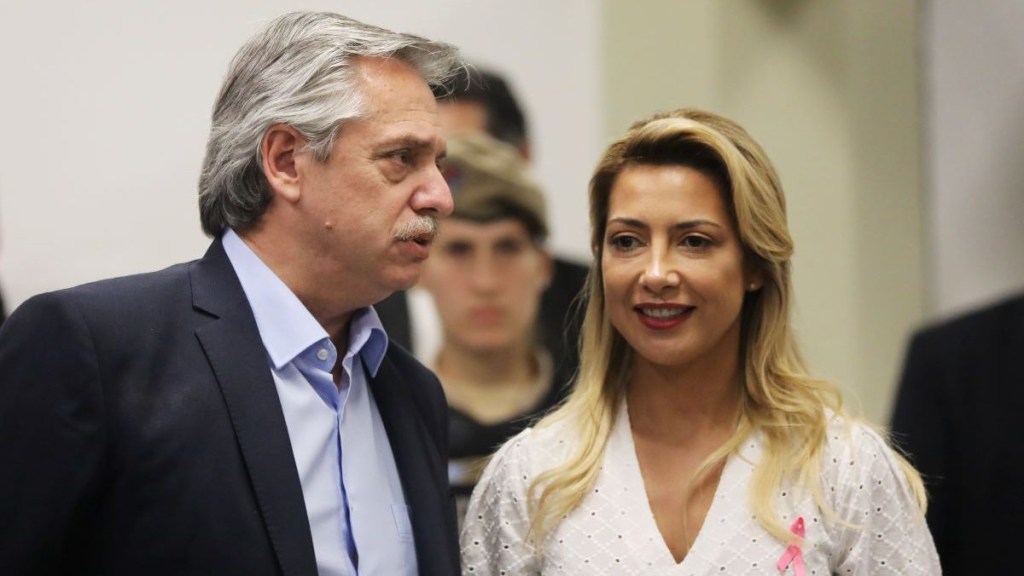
x: 434, y: 196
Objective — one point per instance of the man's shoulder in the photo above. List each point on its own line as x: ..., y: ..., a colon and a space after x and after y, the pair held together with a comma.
x: 125, y: 300
x: 129, y: 282
x: 980, y: 345
x: 148, y: 286
x: 995, y: 321
x: 141, y: 287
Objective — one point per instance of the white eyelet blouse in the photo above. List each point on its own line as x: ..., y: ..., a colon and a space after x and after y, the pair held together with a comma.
x: 613, y: 530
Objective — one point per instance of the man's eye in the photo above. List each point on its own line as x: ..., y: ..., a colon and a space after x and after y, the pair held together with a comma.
x: 403, y: 156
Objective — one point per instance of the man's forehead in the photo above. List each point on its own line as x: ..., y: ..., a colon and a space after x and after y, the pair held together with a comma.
x: 386, y: 76
x: 397, y: 128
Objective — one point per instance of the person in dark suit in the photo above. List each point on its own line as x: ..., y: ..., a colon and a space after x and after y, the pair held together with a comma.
x: 478, y: 100
x: 958, y: 418
x: 244, y: 414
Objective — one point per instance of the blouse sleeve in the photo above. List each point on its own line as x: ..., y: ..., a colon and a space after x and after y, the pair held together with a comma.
x: 495, y: 535
x: 881, y: 530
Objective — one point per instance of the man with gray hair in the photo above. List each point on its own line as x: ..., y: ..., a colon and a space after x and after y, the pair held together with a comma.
x: 244, y: 413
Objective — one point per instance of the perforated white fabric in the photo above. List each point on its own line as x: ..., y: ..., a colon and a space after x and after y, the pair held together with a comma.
x: 613, y: 531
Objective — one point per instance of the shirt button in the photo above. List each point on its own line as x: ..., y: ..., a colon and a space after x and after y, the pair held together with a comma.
x: 322, y: 354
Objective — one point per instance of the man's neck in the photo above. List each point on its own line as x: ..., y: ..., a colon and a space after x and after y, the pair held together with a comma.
x: 332, y: 315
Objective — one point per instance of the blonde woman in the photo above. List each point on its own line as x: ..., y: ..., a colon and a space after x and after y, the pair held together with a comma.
x: 694, y: 442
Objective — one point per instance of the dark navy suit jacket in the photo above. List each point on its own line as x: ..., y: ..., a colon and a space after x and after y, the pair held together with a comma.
x: 959, y: 415
x: 141, y: 433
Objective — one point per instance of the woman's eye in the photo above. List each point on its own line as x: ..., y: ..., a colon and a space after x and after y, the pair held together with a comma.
x: 624, y: 242
x: 696, y: 242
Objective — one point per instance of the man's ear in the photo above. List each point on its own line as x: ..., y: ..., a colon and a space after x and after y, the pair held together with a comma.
x: 280, y: 145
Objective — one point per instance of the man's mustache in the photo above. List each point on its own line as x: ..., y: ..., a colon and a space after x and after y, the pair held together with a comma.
x: 422, y: 229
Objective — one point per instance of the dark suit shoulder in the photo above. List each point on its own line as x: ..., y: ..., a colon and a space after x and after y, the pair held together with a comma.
x: 130, y: 290
x: 997, y: 325
x: 130, y: 304
x: 969, y: 364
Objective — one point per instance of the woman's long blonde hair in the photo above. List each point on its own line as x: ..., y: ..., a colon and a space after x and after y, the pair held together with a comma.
x: 779, y: 399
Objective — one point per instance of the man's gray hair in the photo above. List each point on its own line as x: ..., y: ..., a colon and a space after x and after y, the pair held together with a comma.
x: 297, y: 71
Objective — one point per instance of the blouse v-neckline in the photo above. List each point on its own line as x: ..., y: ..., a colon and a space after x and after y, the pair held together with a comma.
x: 621, y: 440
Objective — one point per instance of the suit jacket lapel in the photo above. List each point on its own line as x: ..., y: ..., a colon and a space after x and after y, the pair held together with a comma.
x: 419, y: 466
x: 236, y: 354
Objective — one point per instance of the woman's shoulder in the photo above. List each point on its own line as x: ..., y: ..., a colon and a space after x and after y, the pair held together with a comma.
x: 851, y: 439
x: 503, y: 490
x: 538, y: 447
x: 875, y: 516
x: 859, y: 465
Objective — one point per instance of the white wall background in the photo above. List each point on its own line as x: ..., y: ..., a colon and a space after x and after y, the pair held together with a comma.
x: 974, y: 89
x: 106, y: 111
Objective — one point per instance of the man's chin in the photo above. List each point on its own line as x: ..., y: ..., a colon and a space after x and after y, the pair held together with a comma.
x: 402, y: 282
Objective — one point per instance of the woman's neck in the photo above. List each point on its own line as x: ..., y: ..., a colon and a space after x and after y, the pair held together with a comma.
x: 684, y: 402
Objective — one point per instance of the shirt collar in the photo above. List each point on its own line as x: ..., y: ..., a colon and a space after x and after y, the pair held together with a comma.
x: 286, y: 327
x: 367, y: 336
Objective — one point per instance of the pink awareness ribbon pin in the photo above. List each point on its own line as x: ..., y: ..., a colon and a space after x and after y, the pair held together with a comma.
x: 792, y: 555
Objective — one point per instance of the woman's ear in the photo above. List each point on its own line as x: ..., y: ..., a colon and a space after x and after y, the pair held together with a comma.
x: 753, y: 280
x: 753, y: 272
x: 280, y: 145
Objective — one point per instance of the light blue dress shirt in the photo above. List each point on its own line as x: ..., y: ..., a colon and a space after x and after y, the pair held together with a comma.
x: 354, y: 499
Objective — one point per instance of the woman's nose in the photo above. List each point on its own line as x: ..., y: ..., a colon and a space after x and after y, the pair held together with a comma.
x: 659, y: 275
